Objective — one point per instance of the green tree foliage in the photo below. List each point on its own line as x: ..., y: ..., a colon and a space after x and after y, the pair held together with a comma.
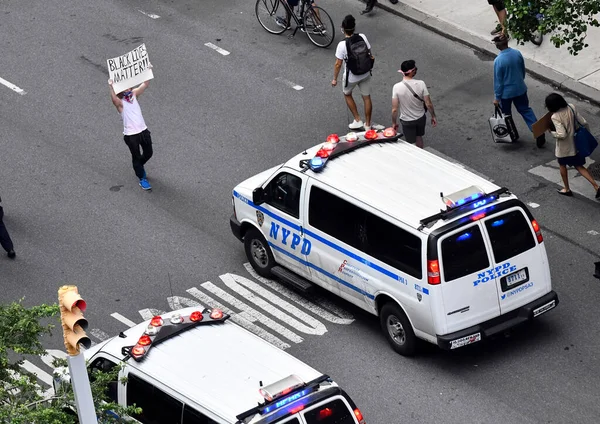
x: 22, y: 401
x: 566, y: 21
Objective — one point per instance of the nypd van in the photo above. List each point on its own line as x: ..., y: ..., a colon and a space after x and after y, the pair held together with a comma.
x: 193, y: 366
x: 435, y: 251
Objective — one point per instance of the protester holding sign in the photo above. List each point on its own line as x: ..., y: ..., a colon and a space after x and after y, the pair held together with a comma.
x: 135, y: 132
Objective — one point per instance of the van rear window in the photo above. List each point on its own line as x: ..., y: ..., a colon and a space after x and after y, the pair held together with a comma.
x: 510, y: 234
x: 464, y: 253
x: 334, y: 412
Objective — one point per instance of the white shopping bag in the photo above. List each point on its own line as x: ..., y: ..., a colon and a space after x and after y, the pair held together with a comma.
x: 503, y: 127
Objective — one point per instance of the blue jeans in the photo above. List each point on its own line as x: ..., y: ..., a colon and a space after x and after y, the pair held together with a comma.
x: 522, y: 104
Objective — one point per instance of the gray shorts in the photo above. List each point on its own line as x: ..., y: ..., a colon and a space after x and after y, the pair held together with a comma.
x: 412, y: 129
x: 364, y: 86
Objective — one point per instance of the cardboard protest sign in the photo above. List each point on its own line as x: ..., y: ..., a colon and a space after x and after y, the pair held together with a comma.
x: 542, y: 125
x: 130, y: 70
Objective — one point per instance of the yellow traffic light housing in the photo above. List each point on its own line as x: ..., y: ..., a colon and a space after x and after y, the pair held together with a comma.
x: 74, y: 324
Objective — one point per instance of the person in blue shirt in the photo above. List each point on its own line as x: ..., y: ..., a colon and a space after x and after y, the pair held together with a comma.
x: 509, y: 84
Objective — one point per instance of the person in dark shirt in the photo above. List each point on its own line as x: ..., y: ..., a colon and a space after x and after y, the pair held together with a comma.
x: 5, y: 240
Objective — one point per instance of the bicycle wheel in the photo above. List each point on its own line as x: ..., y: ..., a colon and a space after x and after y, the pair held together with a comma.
x: 319, y: 26
x: 272, y: 15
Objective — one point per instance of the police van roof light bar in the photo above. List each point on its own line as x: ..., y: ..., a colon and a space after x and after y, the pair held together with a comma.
x: 279, y: 399
x: 475, y: 201
x: 159, y: 330
x: 332, y: 149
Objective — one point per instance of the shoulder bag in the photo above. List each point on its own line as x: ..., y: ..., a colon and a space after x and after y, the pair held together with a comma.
x: 585, y: 143
x: 415, y: 94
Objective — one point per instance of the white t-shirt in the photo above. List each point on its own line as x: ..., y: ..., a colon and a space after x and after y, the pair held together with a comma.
x: 133, y: 121
x: 342, y: 54
x: 410, y: 107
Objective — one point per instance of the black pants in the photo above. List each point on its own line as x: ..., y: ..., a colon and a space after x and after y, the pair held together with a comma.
x: 5, y: 240
x: 139, y: 159
x: 371, y: 4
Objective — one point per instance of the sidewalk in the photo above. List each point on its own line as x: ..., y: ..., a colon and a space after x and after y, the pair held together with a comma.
x: 471, y: 25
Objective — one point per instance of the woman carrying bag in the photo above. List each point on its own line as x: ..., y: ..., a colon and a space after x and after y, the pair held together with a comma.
x: 566, y: 120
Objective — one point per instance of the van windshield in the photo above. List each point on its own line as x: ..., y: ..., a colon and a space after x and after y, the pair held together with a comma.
x: 334, y: 412
x: 510, y: 234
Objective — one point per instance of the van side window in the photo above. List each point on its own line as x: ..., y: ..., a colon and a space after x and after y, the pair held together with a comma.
x: 364, y: 231
x: 105, y: 365
x: 157, y: 406
x: 510, y: 235
x: 191, y: 416
x: 464, y: 253
x: 283, y: 193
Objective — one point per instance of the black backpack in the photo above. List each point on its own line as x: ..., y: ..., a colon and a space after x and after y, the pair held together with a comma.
x: 359, y: 60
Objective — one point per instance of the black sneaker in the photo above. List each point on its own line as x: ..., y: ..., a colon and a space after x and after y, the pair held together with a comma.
x: 282, y: 23
x: 11, y: 254
x: 394, y: 1
x: 540, y: 141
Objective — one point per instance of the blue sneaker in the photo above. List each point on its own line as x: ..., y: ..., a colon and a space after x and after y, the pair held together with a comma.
x: 145, y: 184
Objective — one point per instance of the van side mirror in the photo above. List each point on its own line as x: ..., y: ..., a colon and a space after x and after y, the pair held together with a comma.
x: 259, y: 196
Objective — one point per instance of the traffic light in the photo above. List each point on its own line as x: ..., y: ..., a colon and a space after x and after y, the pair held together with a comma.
x: 74, y: 324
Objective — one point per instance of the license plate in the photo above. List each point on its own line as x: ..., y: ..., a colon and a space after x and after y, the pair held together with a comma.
x: 545, y: 308
x: 516, y: 278
x: 463, y: 341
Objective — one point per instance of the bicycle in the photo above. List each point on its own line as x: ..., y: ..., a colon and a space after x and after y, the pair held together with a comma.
x: 274, y: 16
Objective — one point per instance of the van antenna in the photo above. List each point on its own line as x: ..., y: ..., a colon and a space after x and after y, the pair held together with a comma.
x: 170, y: 285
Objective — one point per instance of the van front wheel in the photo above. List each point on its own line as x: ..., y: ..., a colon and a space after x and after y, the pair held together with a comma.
x: 397, y: 329
x: 258, y: 253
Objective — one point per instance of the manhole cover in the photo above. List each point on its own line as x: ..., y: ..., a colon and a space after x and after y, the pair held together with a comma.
x: 594, y: 169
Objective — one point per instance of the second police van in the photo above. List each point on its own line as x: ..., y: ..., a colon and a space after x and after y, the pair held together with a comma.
x: 437, y: 252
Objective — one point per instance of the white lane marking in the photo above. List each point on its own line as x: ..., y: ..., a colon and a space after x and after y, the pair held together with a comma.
x: 217, y: 49
x: 235, y: 283
x: 593, y: 233
x: 40, y: 373
x: 123, y: 319
x: 12, y: 87
x: 149, y: 313
x: 150, y: 15
x: 289, y: 83
x: 241, y: 319
x: 533, y: 205
x: 323, y: 311
x: 288, y: 334
x: 51, y: 355
x: 99, y: 334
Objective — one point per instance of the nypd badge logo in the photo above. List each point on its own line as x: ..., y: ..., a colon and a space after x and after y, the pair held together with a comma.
x: 260, y: 218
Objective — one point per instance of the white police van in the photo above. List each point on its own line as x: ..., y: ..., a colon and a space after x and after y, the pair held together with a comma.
x: 437, y: 252
x: 193, y: 367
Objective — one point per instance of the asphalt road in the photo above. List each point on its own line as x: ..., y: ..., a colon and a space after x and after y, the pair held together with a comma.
x: 77, y: 215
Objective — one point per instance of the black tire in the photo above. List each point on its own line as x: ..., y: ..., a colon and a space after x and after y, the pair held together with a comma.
x: 397, y: 329
x: 258, y: 252
x: 267, y: 12
x: 318, y: 26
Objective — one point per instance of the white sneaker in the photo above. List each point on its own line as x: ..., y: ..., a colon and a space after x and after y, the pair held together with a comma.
x: 356, y: 125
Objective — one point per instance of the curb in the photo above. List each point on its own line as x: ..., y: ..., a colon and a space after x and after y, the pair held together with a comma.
x: 535, y: 69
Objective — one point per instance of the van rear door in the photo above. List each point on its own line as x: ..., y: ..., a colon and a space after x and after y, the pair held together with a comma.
x: 519, y: 257
x: 470, y: 296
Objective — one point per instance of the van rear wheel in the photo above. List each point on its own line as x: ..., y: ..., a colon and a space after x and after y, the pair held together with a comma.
x: 258, y: 252
x: 397, y: 329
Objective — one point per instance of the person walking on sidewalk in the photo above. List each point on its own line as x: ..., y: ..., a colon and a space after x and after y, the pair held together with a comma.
x: 564, y: 118
x: 355, y: 52
x: 500, y: 10
x: 5, y: 239
x: 509, y: 84
x: 412, y: 98
x: 135, y: 132
x: 371, y: 5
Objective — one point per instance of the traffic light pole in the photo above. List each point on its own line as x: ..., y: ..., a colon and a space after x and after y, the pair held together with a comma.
x: 82, y: 390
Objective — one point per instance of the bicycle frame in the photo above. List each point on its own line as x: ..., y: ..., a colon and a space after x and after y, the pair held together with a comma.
x: 299, y: 21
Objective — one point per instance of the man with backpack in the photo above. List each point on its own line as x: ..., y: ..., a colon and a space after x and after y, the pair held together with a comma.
x: 355, y: 52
